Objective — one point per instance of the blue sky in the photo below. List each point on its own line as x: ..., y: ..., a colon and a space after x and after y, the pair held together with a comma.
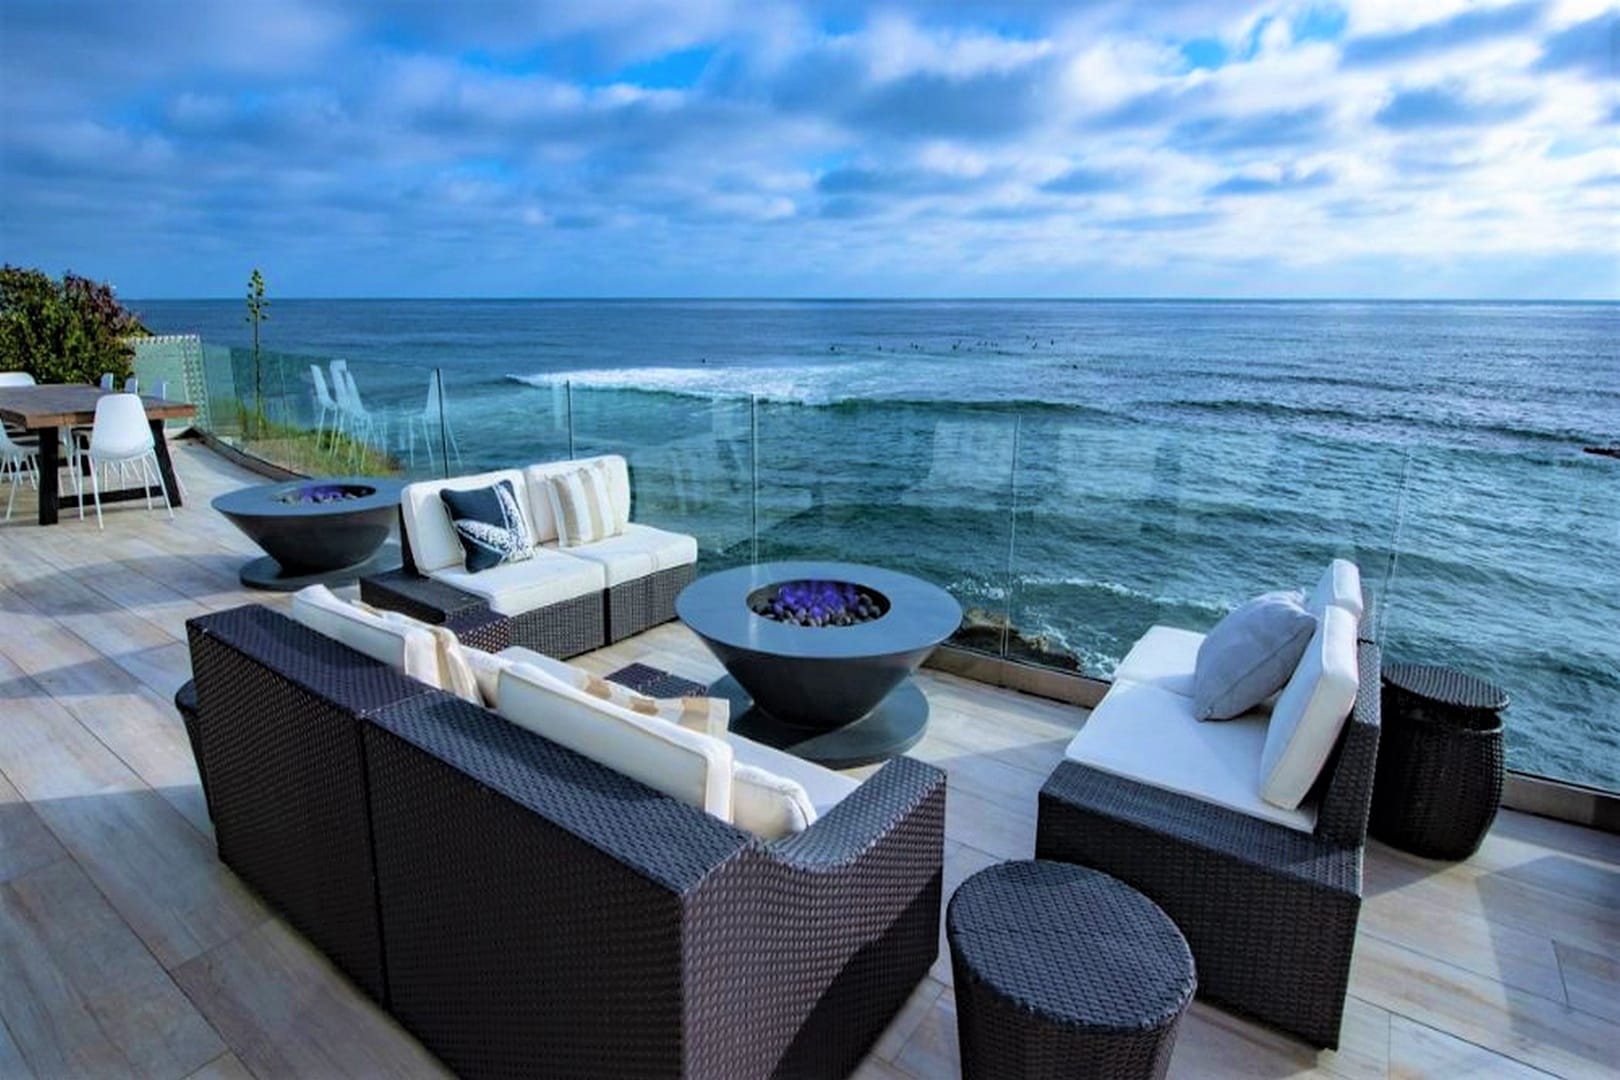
x: 1387, y: 148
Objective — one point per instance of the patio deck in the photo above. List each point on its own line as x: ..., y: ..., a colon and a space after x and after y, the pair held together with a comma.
x: 126, y: 948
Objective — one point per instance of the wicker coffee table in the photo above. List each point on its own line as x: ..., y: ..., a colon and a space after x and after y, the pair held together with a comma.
x: 1064, y: 971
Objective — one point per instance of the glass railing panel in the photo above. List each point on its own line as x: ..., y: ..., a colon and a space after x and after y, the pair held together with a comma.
x: 495, y: 421
x: 1125, y: 523
x: 1509, y: 568
x: 691, y: 462
x: 920, y: 487
x: 220, y: 417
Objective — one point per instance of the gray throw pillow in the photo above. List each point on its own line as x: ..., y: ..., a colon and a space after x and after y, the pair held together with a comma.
x: 1250, y: 655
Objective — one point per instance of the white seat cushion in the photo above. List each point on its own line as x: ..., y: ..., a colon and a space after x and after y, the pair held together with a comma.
x: 685, y: 765
x: 405, y: 648
x: 1311, y: 710
x: 1165, y: 656
x: 538, y: 479
x: 431, y: 535
x: 516, y: 588
x: 637, y: 552
x: 825, y: 788
x: 1146, y: 733
x: 1339, y: 586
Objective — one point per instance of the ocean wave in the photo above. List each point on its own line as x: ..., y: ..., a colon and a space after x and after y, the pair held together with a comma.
x: 1216, y: 608
x: 1279, y: 410
x: 821, y: 386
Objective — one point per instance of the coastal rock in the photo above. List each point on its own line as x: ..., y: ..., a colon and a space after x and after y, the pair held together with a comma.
x: 983, y: 630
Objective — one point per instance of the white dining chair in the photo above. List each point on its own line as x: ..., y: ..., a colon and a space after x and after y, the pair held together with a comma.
x: 430, y: 420
x: 17, y: 462
x: 106, y: 380
x: 16, y: 378
x: 328, y: 408
x: 122, y: 436
x: 132, y: 385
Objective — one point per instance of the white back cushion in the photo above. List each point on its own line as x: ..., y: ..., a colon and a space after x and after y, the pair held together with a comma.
x: 581, y: 505
x: 1339, y: 586
x: 427, y: 523
x: 1311, y: 710
x: 407, y: 649
x: 538, y: 476
x: 768, y: 805
x: 685, y: 765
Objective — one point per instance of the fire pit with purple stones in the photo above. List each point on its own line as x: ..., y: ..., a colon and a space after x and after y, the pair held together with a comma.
x: 315, y: 531
x: 819, y: 655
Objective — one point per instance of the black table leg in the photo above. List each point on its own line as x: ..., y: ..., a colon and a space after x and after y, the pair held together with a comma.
x: 48, y: 464
x: 165, y: 466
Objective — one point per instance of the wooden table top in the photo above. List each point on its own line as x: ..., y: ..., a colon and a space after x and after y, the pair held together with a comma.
x: 59, y: 405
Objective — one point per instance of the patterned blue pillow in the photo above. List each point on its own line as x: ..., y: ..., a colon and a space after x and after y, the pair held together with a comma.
x: 489, y: 525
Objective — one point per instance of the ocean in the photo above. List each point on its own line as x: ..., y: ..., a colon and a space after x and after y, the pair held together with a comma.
x: 1085, y: 469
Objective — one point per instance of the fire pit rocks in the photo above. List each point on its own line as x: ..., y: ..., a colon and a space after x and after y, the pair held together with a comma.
x: 818, y: 603
x: 315, y: 531
x: 820, y: 654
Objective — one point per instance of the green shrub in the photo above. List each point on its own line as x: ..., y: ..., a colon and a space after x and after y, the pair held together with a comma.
x: 68, y: 331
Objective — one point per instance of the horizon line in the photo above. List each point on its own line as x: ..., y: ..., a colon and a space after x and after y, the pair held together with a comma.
x: 908, y: 299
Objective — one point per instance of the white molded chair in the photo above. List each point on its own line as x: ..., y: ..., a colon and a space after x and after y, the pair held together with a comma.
x: 132, y: 385
x: 16, y: 462
x: 16, y: 378
x: 327, y: 407
x: 121, y: 436
x: 106, y: 380
x: 430, y: 420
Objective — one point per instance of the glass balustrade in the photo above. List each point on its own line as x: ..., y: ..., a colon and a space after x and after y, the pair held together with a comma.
x: 1064, y: 533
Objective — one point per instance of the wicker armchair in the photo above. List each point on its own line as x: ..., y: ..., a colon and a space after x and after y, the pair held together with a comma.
x: 526, y: 911
x: 1270, y: 913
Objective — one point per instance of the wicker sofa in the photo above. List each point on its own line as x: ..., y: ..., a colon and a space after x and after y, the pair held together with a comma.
x: 524, y: 910
x: 561, y: 602
x: 1268, y: 897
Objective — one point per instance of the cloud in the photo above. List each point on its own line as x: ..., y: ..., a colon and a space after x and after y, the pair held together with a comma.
x: 1445, y: 107
x: 724, y: 146
x: 1468, y: 27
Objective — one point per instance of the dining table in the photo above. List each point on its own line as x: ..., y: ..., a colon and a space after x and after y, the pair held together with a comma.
x: 47, y: 410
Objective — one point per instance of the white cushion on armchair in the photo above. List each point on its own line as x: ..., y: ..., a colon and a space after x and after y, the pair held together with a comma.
x: 1311, y: 710
x: 407, y: 649
x: 515, y: 588
x: 537, y: 480
x: 1339, y: 586
x: 638, y: 552
x: 432, y: 536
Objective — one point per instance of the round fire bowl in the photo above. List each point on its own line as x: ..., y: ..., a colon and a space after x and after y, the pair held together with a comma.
x: 327, y: 530
x: 808, y: 681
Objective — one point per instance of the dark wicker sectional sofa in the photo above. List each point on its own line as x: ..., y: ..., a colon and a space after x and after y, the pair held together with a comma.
x: 525, y: 911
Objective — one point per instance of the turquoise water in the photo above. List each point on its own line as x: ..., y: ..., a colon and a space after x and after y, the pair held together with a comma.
x: 1088, y: 468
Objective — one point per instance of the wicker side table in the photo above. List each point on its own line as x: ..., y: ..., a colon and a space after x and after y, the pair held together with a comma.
x: 1064, y: 971
x: 1440, y: 765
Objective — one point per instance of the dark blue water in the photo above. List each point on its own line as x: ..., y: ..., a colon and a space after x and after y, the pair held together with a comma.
x: 1087, y: 468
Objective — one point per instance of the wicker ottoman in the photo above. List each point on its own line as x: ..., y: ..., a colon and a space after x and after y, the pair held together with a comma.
x: 1064, y: 971
x: 1440, y: 761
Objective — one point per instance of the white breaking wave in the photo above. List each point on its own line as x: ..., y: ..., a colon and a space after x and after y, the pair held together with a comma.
x: 813, y: 384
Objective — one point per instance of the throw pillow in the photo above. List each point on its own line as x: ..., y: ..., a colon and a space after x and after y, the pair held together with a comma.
x: 705, y: 715
x: 456, y: 675
x: 1250, y: 655
x: 489, y: 523
x: 582, y: 506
